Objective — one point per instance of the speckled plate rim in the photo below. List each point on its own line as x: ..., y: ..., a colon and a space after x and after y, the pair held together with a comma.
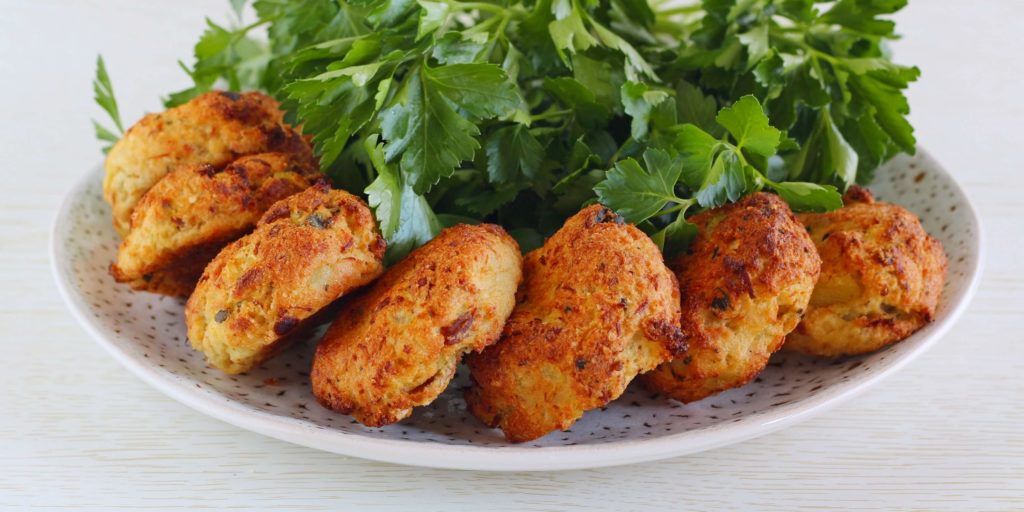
x: 512, y: 457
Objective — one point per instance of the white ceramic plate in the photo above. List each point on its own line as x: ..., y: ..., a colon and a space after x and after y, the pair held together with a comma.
x: 146, y: 333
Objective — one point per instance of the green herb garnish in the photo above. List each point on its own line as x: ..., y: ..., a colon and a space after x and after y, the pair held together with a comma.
x: 104, y: 96
x: 521, y: 112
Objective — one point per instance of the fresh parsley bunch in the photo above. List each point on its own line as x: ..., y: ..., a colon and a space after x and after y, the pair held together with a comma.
x: 520, y: 112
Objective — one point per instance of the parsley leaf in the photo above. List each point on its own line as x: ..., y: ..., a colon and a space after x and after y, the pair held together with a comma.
x: 432, y: 17
x: 748, y: 125
x: 481, y: 90
x: 861, y: 15
x: 639, y: 101
x: 225, y: 54
x: 406, y: 219
x: 676, y: 236
x: 104, y: 96
x: 694, y: 107
x: 637, y: 194
x: 428, y: 134
x: 333, y: 107
x: 725, y: 181
x: 640, y: 195
x: 698, y: 149
x: 513, y: 155
x: 826, y: 156
x: 423, y: 127
x: 812, y: 197
x: 719, y: 171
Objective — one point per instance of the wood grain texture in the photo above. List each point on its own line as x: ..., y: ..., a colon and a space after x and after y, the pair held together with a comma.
x: 79, y: 432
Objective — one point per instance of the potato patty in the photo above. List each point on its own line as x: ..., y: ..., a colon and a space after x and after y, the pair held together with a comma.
x: 396, y: 345
x: 744, y: 282
x: 597, y: 306
x: 214, y: 128
x: 880, y: 281
x: 306, y: 251
x: 184, y: 220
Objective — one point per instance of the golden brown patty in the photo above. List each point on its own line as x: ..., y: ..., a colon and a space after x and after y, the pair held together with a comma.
x: 214, y: 128
x: 597, y: 306
x: 306, y: 251
x: 396, y: 345
x: 881, y: 277
x: 744, y: 283
x: 177, y: 281
x: 193, y: 212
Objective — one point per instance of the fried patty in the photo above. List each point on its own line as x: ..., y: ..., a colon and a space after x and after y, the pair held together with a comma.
x: 214, y: 128
x: 176, y: 281
x: 396, y: 345
x: 744, y: 282
x: 184, y: 220
x: 880, y: 281
x: 597, y: 306
x: 307, y: 250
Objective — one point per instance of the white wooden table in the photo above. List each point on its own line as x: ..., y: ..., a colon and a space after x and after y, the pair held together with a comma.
x: 78, y: 431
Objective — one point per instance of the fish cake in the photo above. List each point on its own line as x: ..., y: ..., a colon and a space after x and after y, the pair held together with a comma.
x: 396, y: 345
x: 214, y: 128
x: 744, y: 282
x: 177, y: 281
x: 881, y: 278
x: 306, y: 251
x: 181, y: 223
x: 597, y: 306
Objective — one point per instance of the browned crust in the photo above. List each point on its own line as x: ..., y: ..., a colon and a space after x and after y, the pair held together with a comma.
x: 396, y: 345
x: 194, y: 211
x: 596, y: 307
x: 178, y: 281
x: 307, y: 250
x: 744, y: 283
x: 890, y: 270
x: 214, y: 128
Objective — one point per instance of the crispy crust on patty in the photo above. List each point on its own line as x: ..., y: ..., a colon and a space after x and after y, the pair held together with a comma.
x: 396, y: 345
x: 189, y: 215
x: 177, y: 281
x: 214, y: 128
x: 307, y: 250
x: 881, y: 278
x: 597, y: 306
x: 744, y: 282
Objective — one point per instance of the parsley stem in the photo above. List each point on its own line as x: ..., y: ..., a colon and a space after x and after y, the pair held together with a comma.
x: 682, y: 9
x: 550, y: 114
x: 254, y: 24
x: 681, y: 205
x: 481, y: 6
x: 618, y: 152
x: 504, y: 23
x: 485, y: 25
x: 781, y: 33
x: 500, y: 33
